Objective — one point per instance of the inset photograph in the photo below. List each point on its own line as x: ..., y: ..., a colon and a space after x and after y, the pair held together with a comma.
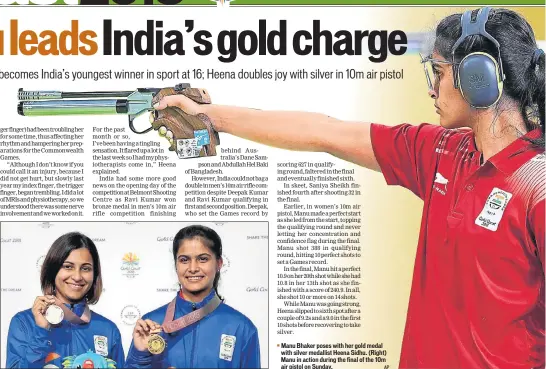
x: 134, y: 294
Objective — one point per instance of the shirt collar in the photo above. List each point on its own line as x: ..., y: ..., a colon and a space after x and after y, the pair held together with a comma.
x: 78, y: 308
x: 513, y: 156
x: 187, y: 305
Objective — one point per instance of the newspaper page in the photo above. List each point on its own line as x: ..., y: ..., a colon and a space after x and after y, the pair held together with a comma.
x: 272, y: 184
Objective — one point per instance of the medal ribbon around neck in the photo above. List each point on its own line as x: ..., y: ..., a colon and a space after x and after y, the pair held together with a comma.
x: 70, y: 316
x: 169, y: 325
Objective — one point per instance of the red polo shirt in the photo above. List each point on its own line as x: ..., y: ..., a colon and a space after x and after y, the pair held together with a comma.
x: 477, y: 298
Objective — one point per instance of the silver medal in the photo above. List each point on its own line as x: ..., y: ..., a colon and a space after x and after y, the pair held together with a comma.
x: 54, y: 314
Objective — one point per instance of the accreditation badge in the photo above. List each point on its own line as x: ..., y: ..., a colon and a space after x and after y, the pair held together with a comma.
x: 493, y: 209
x: 227, y: 345
x: 101, y: 345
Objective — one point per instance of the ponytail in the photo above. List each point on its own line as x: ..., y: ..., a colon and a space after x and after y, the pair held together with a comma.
x: 533, y: 104
x: 215, y: 284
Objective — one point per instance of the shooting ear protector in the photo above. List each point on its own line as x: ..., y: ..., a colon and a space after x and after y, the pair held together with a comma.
x: 479, y: 76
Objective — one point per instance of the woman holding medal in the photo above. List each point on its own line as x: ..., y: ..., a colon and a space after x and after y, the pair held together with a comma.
x: 60, y: 330
x: 196, y: 329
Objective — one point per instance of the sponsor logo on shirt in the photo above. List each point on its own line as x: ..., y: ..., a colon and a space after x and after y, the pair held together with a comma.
x: 442, y: 182
x: 493, y: 209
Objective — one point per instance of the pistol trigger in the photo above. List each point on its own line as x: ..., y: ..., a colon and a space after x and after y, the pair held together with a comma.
x: 131, y: 119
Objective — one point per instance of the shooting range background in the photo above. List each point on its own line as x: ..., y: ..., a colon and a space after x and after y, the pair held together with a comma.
x: 131, y: 290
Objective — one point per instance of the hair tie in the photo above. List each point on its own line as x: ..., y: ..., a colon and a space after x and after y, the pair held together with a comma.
x: 536, y: 56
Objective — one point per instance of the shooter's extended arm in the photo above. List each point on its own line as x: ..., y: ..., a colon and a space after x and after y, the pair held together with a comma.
x: 189, y: 136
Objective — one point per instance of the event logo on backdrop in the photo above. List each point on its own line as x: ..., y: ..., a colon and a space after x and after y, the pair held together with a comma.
x: 10, y: 240
x: 11, y: 289
x: 174, y: 288
x: 130, y: 265
x: 168, y: 243
x: 130, y: 314
x: 256, y: 289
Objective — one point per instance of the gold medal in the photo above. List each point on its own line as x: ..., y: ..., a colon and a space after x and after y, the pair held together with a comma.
x: 156, y: 344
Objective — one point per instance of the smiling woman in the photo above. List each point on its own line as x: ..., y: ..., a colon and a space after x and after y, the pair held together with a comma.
x: 60, y: 328
x: 196, y: 329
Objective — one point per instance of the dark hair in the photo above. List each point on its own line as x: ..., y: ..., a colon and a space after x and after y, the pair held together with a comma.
x: 56, y: 256
x: 524, y: 82
x: 210, y: 239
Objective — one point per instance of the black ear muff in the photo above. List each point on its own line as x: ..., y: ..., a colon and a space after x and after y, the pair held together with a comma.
x: 479, y: 76
x: 479, y: 81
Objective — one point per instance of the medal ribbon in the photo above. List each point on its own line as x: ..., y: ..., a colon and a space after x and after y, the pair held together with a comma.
x: 73, y: 318
x: 169, y: 325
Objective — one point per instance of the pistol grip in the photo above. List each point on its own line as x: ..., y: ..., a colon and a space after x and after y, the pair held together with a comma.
x: 192, y: 135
